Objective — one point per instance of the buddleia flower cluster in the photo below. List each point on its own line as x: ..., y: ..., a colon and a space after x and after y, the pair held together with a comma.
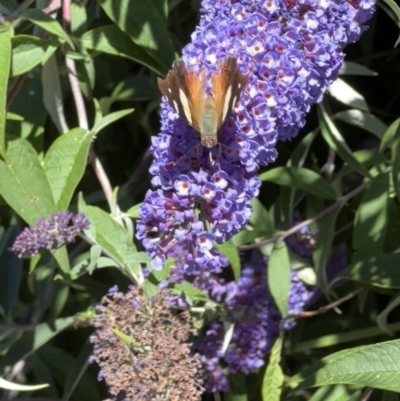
x: 142, y: 348
x: 249, y: 306
x: 291, y: 51
x: 50, y: 233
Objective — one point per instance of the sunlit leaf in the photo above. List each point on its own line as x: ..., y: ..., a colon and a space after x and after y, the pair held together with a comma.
x: 24, y: 184
x: 11, y: 386
x: 371, y: 217
x: 5, y: 62
x: 47, y: 23
x: 381, y: 270
x: 146, y: 26
x: 300, y: 178
x: 65, y: 163
x: 376, y: 365
x: 278, y: 273
x: 273, y: 376
x: 110, y: 39
x: 344, y: 93
x: 364, y: 120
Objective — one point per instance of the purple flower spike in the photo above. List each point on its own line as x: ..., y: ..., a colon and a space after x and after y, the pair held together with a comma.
x: 51, y: 233
x: 290, y: 51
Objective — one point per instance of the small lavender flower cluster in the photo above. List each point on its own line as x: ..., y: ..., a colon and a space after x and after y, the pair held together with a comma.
x: 291, y: 51
x: 50, y: 233
x: 141, y: 348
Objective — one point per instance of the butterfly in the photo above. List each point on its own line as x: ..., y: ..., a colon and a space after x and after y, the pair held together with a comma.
x: 185, y: 90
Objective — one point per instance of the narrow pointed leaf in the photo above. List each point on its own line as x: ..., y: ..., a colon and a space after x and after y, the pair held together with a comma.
x: 229, y: 250
x: 376, y: 366
x: 273, y: 377
x: 65, y: 163
x: 146, y: 26
x: 110, y: 118
x: 344, y: 93
x: 278, y: 272
x: 47, y: 23
x: 28, y: 52
x: 32, y: 340
x: 24, y: 184
x: 371, y: 217
x: 336, y: 142
x: 364, y: 120
x: 300, y: 178
x: 5, y: 62
x: 111, y: 40
x: 380, y: 270
x: 11, y: 386
x: 115, y: 240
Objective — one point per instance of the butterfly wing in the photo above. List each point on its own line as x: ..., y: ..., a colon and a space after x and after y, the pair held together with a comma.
x: 184, y: 90
x: 227, y: 84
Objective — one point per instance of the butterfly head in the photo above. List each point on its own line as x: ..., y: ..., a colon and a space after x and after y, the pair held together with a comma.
x: 205, y: 111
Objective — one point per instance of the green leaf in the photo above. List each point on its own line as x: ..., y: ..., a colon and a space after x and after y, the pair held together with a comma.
x: 189, y: 290
x: 111, y: 40
x: 145, y: 24
x: 364, y: 120
x: 110, y: 118
x: 322, y: 252
x: 347, y: 95
x: 52, y: 94
x: 32, y: 340
x: 28, y: 52
x: 300, y: 178
x: 29, y: 104
x: 65, y: 163
x: 5, y: 62
x: 371, y: 218
x: 47, y: 23
x: 351, y: 68
x: 85, y: 71
x: 367, y: 157
x: 229, y: 250
x: 381, y: 270
x: 79, y: 19
x: 273, y: 376
x: 300, y: 153
x: 60, y: 363
x: 396, y: 9
x: 396, y: 163
x: 336, y: 142
x: 116, y: 242
x: 134, y: 211
x: 6, y: 385
x: 138, y: 88
x: 24, y: 184
x: 260, y: 217
x: 382, y: 317
x: 278, y: 272
x: 376, y: 366
x: 338, y: 392
x: 10, y: 271
x: 228, y: 333
x: 392, y: 132
x: 77, y: 370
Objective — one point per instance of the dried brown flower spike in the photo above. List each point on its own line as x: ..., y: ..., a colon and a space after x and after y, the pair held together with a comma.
x: 142, y: 350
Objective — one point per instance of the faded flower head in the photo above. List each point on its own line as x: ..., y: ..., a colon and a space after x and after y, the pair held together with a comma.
x: 50, y: 233
x: 142, y: 348
x: 291, y: 51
